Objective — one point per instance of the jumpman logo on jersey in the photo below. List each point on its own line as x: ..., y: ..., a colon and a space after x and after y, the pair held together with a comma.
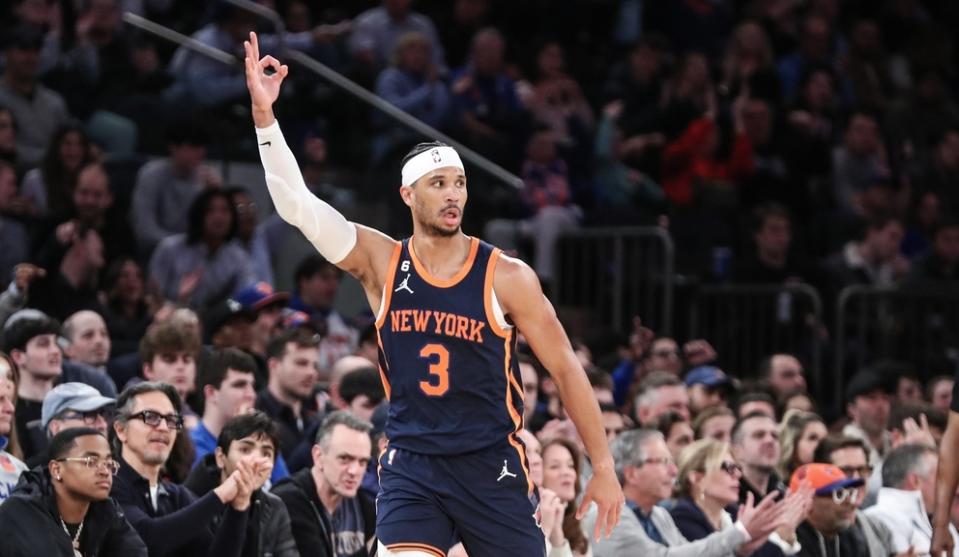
x: 505, y: 473
x: 405, y: 285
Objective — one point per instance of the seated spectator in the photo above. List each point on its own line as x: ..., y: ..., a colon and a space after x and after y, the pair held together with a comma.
x: 168, y: 355
x: 939, y: 392
x: 658, y: 393
x: 755, y: 445
x: 249, y: 439
x: 941, y: 170
x: 614, y: 422
x: 547, y: 199
x: 89, y: 341
x: 799, y: 435
x: 833, y: 519
x: 226, y: 380
x: 228, y: 324
x: 647, y: 473
x: 916, y: 423
x: 50, y: 186
x: 638, y: 83
x: 288, y: 396
x: 326, y: 508
x: 204, y: 265
x: 487, y: 106
x: 8, y: 143
x: 868, y: 406
x: 170, y: 519
x: 783, y: 373
x: 562, y: 463
x: 362, y: 391
x: 30, y: 337
x: 267, y: 305
x: 797, y: 400
x: 90, y: 208
x: 814, y: 49
x: 772, y: 260
x: 251, y: 235
x: 940, y: 266
x: 752, y: 401
x: 14, y: 241
x: 10, y: 464
x: 411, y: 83
x: 71, y: 405
x: 677, y: 432
x: 908, y: 490
x: 858, y: 162
x: 529, y: 376
x: 688, y: 95
x: 708, y: 483
x: 715, y: 422
x: 317, y: 282
x: 872, y: 259
x: 126, y: 309
x: 850, y: 455
x: 378, y: 31
x: 76, y: 486
x: 165, y: 186
x: 37, y: 111
x: 707, y: 386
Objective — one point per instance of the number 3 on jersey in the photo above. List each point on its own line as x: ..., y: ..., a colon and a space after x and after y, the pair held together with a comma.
x: 440, y: 369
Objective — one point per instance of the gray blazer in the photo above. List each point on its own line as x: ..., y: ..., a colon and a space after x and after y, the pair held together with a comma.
x: 629, y: 538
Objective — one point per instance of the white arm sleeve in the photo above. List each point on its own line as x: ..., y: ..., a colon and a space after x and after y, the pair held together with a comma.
x: 328, y: 230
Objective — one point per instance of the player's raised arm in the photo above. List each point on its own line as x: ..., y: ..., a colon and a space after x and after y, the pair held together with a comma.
x: 326, y: 228
x: 521, y: 296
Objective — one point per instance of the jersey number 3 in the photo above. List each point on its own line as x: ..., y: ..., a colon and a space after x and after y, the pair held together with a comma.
x: 439, y: 369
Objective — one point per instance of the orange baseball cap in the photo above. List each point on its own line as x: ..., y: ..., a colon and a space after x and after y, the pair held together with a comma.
x: 825, y: 478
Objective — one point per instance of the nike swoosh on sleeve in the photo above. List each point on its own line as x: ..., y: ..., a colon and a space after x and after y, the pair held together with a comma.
x: 267, y: 143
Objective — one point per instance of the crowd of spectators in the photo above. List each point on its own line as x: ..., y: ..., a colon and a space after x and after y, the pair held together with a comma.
x: 159, y: 395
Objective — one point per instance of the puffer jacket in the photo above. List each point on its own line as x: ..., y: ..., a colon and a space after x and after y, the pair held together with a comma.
x: 30, y: 524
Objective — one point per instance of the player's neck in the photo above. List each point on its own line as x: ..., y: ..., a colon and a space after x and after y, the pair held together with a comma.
x: 441, y: 253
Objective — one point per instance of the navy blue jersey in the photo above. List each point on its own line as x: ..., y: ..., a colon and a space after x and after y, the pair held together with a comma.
x: 448, y: 367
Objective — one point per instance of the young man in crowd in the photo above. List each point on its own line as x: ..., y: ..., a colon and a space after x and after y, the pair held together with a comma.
x: 250, y: 438
x: 755, y: 446
x: 168, y: 353
x: 67, y: 406
x: 227, y: 382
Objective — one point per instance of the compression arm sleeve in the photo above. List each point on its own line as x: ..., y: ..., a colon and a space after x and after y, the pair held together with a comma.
x: 325, y: 227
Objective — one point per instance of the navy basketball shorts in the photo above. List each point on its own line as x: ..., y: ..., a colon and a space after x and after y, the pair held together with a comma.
x: 483, y: 499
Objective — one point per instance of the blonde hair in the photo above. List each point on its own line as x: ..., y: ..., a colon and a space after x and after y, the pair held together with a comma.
x: 791, y: 429
x: 704, y: 456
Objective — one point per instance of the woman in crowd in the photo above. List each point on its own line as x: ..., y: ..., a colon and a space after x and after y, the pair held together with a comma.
x: 50, y: 186
x: 715, y: 422
x: 799, y: 434
x: 562, y: 464
x: 127, y: 311
x: 65, y: 510
x: 11, y: 465
x: 708, y: 483
x: 797, y: 400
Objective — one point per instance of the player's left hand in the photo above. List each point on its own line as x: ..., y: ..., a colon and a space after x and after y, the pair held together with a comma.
x: 604, y: 490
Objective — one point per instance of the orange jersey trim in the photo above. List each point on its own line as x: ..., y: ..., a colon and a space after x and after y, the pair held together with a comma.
x: 388, y: 287
x: 488, y: 296
x: 455, y: 279
x: 514, y: 414
x: 400, y: 547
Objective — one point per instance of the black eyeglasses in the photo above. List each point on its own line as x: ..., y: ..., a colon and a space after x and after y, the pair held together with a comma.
x: 89, y: 418
x: 731, y: 468
x: 153, y: 419
x: 857, y: 471
x: 663, y: 461
x: 94, y: 463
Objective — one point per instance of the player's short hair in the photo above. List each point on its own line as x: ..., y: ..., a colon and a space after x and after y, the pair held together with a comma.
x: 343, y: 418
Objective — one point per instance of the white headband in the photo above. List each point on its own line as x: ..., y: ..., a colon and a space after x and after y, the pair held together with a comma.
x: 428, y: 161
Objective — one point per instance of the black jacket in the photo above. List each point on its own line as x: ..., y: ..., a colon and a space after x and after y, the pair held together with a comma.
x: 182, y: 524
x: 268, y: 531
x: 30, y: 525
x: 312, y: 526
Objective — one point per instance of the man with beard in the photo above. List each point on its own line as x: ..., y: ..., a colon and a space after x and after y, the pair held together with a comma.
x: 868, y: 406
x: 755, y: 446
x: 170, y: 519
x: 448, y: 309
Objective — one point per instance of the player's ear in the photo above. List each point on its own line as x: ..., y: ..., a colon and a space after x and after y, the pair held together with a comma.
x: 406, y: 193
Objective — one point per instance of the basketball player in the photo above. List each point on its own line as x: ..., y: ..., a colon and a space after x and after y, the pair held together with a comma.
x: 448, y: 310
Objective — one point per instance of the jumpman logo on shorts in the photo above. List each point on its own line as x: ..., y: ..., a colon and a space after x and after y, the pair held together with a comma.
x: 405, y: 285
x: 505, y: 473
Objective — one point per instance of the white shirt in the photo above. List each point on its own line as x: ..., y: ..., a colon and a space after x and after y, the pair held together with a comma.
x: 905, y: 515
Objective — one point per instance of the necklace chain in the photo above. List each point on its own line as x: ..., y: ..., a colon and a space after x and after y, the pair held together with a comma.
x: 76, y: 538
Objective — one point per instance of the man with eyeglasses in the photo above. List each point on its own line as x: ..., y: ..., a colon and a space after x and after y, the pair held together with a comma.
x: 170, y: 518
x: 64, y: 509
x: 833, y: 528
x: 647, y: 473
x: 72, y: 405
x: 908, y: 490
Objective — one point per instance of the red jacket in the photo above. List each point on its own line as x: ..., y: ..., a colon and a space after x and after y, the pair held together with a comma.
x: 683, y: 163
